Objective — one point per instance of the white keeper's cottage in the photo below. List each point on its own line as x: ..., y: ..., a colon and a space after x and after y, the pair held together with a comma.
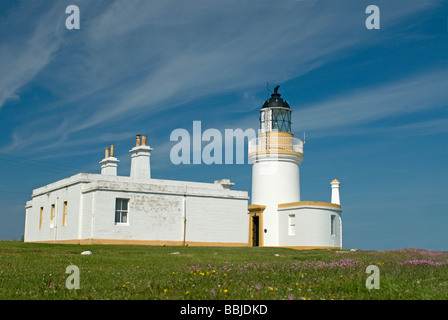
x: 109, y: 209
x: 137, y: 209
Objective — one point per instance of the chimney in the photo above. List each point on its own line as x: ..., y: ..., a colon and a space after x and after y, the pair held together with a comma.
x: 225, y: 183
x: 109, y: 164
x: 335, y: 192
x: 140, y: 163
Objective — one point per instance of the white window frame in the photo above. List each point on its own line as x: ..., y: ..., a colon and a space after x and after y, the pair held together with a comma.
x: 333, y: 224
x: 291, y: 225
x: 121, y: 211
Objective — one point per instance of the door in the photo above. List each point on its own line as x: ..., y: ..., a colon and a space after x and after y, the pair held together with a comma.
x: 255, y: 231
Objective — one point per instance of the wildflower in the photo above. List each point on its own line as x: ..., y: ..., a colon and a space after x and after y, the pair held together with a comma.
x: 225, y: 290
x: 212, y: 291
x: 423, y: 262
x: 187, y: 292
x: 289, y: 298
x: 165, y: 290
x: 272, y: 289
x: 257, y: 288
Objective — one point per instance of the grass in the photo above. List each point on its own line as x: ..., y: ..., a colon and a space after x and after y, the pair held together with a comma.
x: 37, y: 272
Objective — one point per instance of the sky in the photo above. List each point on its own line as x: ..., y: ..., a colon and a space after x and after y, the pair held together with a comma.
x: 372, y: 103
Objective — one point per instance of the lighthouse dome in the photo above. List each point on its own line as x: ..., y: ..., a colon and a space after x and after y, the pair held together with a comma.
x: 275, y: 101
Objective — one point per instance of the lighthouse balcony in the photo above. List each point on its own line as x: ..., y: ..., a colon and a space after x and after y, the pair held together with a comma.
x: 275, y: 144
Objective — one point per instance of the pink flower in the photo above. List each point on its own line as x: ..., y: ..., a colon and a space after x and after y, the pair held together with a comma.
x: 424, y: 262
x: 257, y: 288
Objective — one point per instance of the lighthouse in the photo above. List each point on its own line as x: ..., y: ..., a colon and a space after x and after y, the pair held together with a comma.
x: 277, y: 215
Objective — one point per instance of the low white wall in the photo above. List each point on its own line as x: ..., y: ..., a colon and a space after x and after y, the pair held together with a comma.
x: 312, y: 227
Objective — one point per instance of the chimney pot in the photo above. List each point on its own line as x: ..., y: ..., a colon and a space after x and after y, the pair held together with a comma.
x: 137, y: 142
x: 112, y: 147
x: 143, y: 140
x: 106, y: 153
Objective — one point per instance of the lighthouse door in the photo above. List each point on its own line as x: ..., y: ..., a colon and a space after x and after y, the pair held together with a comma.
x: 255, y: 233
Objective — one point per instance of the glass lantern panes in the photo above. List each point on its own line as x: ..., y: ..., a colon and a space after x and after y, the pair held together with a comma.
x: 281, y: 120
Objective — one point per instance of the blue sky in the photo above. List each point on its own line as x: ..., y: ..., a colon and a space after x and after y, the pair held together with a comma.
x: 373, y: 103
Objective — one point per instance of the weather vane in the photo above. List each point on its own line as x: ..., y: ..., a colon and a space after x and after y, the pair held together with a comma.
x: 276, y: 89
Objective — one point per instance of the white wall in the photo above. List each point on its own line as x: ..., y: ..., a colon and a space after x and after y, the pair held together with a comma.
x: 275, y: 179
x: 312, y: 227
x: 150, y: 216
x: 156, y: 210
x: 217, y: 220
x: 53, y: 230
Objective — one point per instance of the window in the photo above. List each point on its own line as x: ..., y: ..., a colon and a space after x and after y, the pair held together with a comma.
x: 52, y: 216
x: 292, y: 225
x: 121, y: 210
x: 332, y: 224
x: 64, y: 214
x: 281, y: 120
x: 40, y: 218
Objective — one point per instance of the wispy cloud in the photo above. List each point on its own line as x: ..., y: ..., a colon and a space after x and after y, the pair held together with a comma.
x: 30, y: 50
x: 422, y: 92
x: 135, y: 60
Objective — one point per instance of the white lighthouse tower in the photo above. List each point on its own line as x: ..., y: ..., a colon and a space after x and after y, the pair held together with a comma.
x: 276, y: 156
x: 278, y: 217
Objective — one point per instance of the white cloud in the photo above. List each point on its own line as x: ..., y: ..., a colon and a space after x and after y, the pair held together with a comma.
x: 419, y: 93
x: 133, y: 59
x: 24, y: 55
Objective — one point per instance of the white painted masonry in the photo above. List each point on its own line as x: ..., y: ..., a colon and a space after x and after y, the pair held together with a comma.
x: 159, y: 211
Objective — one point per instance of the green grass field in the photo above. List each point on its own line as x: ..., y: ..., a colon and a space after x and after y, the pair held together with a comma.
x: 38, y: 272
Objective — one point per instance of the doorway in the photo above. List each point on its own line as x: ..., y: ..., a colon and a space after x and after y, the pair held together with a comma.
x: 255, y: 231
x: 255, y: 212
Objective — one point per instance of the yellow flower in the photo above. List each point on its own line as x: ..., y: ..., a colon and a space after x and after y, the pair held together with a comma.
x: 225, y: 290
x: 272, y: 289
x: 187, y: 292
x: 165, y: 290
